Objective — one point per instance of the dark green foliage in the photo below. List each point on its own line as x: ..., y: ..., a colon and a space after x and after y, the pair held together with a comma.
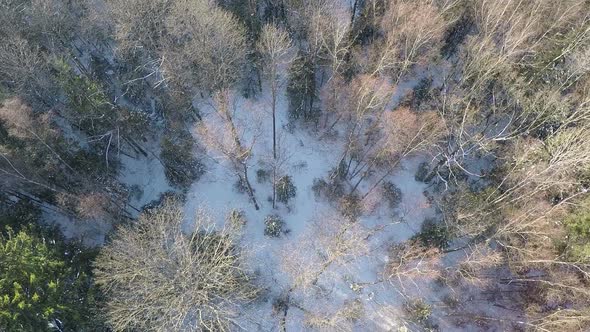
x: 366, y: 25
x: 275, y: 11
x: 247, y: 13
x: 392, y: 194
x: 262, y: 175
x: 85, y: 99
x: 340, y: 172
x: 285, y: 189
x: 90, y: 109
x: 181, y: 167
x: 17, y: 215
x: 274, y: 226
x: 418, y: 310
x: 433, y: 235
x: 422, y: 172
x: 301, y: 89
x: 584, y: 177
x: 456, y: 35
x: 331, y: 190
x: 91, y: 164
x: 578, y: 234
x: 421, y: 92
x: 43, y: 280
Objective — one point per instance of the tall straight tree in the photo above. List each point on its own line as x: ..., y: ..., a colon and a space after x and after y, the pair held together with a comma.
x: 274, y: 45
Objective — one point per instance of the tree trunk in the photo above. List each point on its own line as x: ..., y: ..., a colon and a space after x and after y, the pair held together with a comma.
x: 250, y: 190
x: 274, y: 144
x: 274, y: 130
x: 353, y: 14
x: 274, y: 184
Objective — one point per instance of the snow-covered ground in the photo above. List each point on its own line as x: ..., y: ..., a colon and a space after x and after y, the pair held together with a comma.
x: 91, y: 233
x: 331, y: 271
x: 352, y: 279
x: 144, y: 176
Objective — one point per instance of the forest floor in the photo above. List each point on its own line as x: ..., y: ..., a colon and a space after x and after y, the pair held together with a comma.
x: 331, y: 273
x: 355, y: 278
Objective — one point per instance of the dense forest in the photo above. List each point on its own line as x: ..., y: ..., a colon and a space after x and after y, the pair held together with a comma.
x: 294, y: 165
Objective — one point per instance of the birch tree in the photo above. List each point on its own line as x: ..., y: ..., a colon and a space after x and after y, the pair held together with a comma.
x: 274, y: 45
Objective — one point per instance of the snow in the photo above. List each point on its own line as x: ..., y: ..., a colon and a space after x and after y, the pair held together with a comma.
x: 277, y: 260
x: 146, y: 174
x: 91, y: 233
x: 355, y: 276
x: 436, y: 72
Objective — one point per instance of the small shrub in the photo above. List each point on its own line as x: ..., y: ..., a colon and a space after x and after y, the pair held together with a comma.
x: 455, y: 35
x: 451, y: 301
x: 433, y: 234
x: 262, y: 175
x: 22, y: 213
x: 181, y: 167
x: 392, y: 194
x: 135, y: 192
x: 418, y: 310
x: 302, y: 165
x: 578, y: 231
x: 422, y: 172
x: 92, y: 205
x: 350, y: 206
x: 240, y: 186
x: 168, y: 195
x: 236, y: 219
x: 421, y: 92
x: 301, y: 89
x: 332, y: 190
x: 353, y: 310
x: 92, y: 163
x: 280, y: 305
x: 319, y: 187
x: 285, y: 189
x: 339, y: 173
x: 274, y: 226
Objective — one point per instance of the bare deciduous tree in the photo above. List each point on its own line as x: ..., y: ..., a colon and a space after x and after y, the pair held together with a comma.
x: 413, y: 34
x: 24, y: 69
x: 138, y: 24
x: 410, y: 262
x: 274, y: 44
x: 315, y: 263
x: 398, y: 134
x: 206, y: 47
x: 234, y: 146
x: 330, y: 35
x: 335, y: 241
x: 156, y: 277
